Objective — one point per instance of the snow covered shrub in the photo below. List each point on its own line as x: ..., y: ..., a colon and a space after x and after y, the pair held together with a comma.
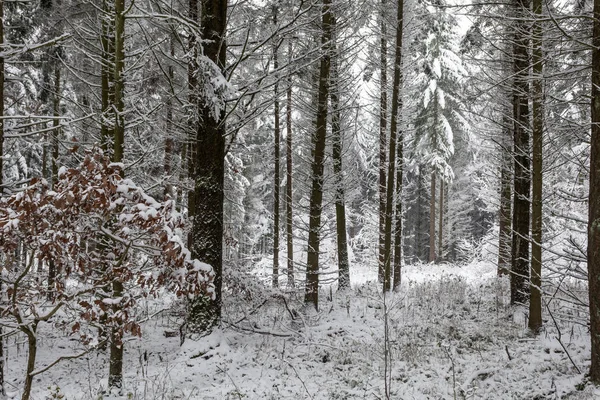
x: 103, y: 243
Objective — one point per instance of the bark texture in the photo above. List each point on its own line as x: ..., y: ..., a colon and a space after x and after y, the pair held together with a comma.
x: 311, y: 295
x: 394, y: 134
x: 594, y: 205
x: 519, y: 283
x: 340, y: 205
x: 383, y: 104
x: 209, y: 173
x: 535, y: 300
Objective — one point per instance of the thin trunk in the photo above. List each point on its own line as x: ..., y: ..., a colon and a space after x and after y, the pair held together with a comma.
x: 119, y: 90
x: 311, y: 295
x: 505, y: 218
x: 106, y: 133
x: 432, y: 220
x: 394, y: 134
x: 2, y: 388
x: 288, y: 186
x: 340, y: 205
x: 115, y: 368
x: 594, y: 204
x: 535, y: 301
x: 182, y: 176
x: 52, y: 271
x: 115, y: 375
x: 277, y: 181
x: 31, y: 356
x: 441, y: 223
x: 398, y: 228
x: 521, y: 209
x: 209, y: 175
x: 382, y: 141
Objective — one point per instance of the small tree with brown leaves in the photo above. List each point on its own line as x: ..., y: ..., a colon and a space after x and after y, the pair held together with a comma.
x: 96, y: 228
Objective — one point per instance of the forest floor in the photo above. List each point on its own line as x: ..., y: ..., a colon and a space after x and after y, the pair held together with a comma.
x: 451, y: 335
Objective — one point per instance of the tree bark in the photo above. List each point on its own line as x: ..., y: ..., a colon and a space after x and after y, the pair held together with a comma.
x: 52, y: 272
x: 2, y: 386
x: 505, y: 217
x: 288, y: 186
x: 522, y: 180
x: 441, y: 223
x: 336, y: 138
x: 209, y: 175
x: 382, y: 141
x: 394, y: 134
x: 432, y: 220
x: 115, y: 375
x: 594, y: 204
x: 311, y: 295
x: 398, y: 215
x: 31, y: 356
x: 107, y: 133
x: 277, y: 179
x: 535, y: 301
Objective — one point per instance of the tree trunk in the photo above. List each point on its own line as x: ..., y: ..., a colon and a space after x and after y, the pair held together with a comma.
x: 209, y: 175
x: 382, y: 141
x: 52, y: 272
x: 106, y: 134
x: 398, y: 228
x: 340, y: 206
x: 288, y: 186
x: 276, y: 183
x: 520, y: 241
x: 115, y: 367
x: 441, y: 223
x: 311, y: 295
x: 2, y: 388
x: 594, y: 204
x: 505, y: 217
x: 115, y: 375
x: 394, y: 134
x: 535, y: 301
x: 31, y: 356
x: 432, y: 220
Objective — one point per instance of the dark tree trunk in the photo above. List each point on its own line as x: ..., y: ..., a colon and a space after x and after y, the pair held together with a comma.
x: 340, y: 206
x: 441, y: 224
x: 288, y: 186
x: 394, y: 134
x: 311, y: 295
x: 382, y: 140
x: 52, y: 272
x: 535, y: 301
x: 31, y: 333
x: 519, y: 284
x: 398, y: 227
x: 432, y: 220
x: 115, y: 375
x: 209, y: 174
x: 594, y: 204
x: 2, y: 388
x: 277, y: 180
x: 505, y: 217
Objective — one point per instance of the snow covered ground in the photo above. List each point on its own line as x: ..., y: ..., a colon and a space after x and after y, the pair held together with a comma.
x: 451, y: 335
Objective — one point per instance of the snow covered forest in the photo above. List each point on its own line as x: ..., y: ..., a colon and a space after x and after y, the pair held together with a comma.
x: 283, y: 199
